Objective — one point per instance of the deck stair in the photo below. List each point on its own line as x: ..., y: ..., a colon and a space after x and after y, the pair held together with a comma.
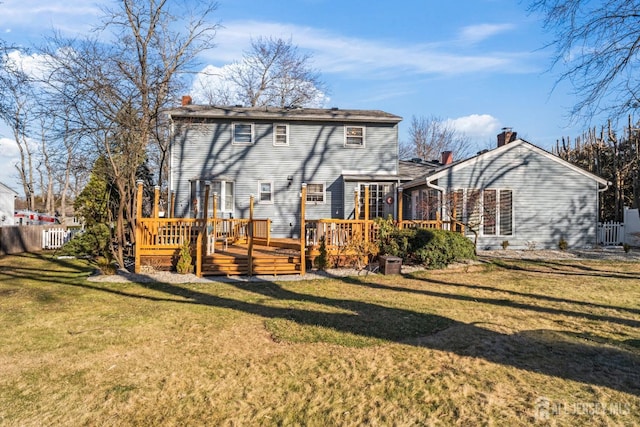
x: 233, y: 262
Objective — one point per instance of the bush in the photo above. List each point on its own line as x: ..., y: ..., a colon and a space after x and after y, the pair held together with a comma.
x: 322, y: 260
x: 93, y: 242
x: 184, y: 260
x: 432, y: 248
x: 563, y: 244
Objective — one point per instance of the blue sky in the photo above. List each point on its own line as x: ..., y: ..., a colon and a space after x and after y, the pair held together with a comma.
x: 479, y: 63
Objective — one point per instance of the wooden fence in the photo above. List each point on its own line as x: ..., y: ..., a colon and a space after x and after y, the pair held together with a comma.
x: 15, y: 239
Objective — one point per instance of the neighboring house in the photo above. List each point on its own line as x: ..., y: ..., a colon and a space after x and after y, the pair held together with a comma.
x: 7, y: 205
x: 270, y: 152
x: 517, y: 193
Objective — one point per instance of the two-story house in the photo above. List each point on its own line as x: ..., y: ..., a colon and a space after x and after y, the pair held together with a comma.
x: 270, y: 152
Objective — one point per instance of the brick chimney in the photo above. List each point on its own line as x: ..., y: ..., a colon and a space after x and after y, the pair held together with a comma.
x: 186, y: 100
x: 506, y: 136
x: 447, y: 157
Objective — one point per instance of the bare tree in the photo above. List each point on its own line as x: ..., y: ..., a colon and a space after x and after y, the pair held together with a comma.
x: 17, y: 110
x: 116, y: 93
x: 273, y: 72
x: 430, y: 136
x: 597, y: 44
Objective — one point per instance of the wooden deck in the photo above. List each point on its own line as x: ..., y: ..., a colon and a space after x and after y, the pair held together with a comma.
x: 282, y: 256
x: 232, y: 246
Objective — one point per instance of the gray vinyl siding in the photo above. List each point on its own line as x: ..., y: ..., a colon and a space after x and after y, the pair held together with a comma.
x: 315, y: 154
x: 550, y: 200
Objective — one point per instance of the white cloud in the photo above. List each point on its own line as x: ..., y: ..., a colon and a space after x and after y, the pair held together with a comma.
x: 480, y: 32
x: 10, y: 156
x: 213, y: 85
x: 476, y: 126
x: 71, y: 15
x: 366, y: 58
x: 33, y: 65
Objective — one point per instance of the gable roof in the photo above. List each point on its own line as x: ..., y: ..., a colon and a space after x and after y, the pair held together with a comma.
x: 289, y: 114
x: 7, y: 189
x: 487, y: 155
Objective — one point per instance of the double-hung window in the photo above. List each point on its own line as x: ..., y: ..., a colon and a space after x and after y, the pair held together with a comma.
x: 265, y: 192
x: 316, y: 192
x: 242, y: 133
x: 354, y: 136
x: 280, y: 135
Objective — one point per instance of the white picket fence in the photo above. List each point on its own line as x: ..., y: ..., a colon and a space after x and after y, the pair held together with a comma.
x: 55, y: 238
x: 610, y: 233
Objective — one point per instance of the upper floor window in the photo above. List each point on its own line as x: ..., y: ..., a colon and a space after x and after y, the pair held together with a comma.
x: 354, y: 136
x: 265, y: 192
x: 280, y: 134
x: 242, y: 133
x: 315, y: 193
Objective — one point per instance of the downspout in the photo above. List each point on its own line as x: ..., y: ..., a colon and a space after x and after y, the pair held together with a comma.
x: 442, y: 191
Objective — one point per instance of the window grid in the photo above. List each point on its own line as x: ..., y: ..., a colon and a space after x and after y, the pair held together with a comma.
x: 280, y: 134
x: 242, y: 133
x: 354, y: 136
x: 315, y: 193
x: 489, y: 210
x: 265, y: 192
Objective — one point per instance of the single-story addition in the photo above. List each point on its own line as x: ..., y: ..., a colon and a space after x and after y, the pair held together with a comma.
x: 516, y: 194
x: 270, y: 152
x: 7, y: 204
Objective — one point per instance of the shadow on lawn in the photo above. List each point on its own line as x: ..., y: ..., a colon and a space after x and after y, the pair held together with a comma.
x: 543, y: 351
x: 560, y: 267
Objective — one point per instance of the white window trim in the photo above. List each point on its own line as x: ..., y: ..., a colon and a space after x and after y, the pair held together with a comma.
x: 275, y: 143
x: 265, y: 202
x: 324, y: 194
x: 364, y: 136
x: 200, y: 191
x: 233, y: 133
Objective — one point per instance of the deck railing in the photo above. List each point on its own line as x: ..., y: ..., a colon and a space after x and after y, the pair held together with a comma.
x: 167, y: 232
x: 341, y: 233
x: 436, y: 224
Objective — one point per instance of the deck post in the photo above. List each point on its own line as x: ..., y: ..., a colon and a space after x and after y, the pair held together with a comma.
x: 303, y: 243
x: 215, y: 220
x: 205, y: 214
x: 156, y: 201
x: 138, y: 226
x: 400, y: 194
x: 172, y: 206
x: 199, y: 255
x: 205, y: 208
x: 250, y: 233
x: 215, y: 206
x: 366, y: 212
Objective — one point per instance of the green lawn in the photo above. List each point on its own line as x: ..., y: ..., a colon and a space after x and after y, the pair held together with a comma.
x: 500, y: 343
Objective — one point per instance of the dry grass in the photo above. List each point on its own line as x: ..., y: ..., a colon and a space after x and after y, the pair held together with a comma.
x: 504, y: 343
